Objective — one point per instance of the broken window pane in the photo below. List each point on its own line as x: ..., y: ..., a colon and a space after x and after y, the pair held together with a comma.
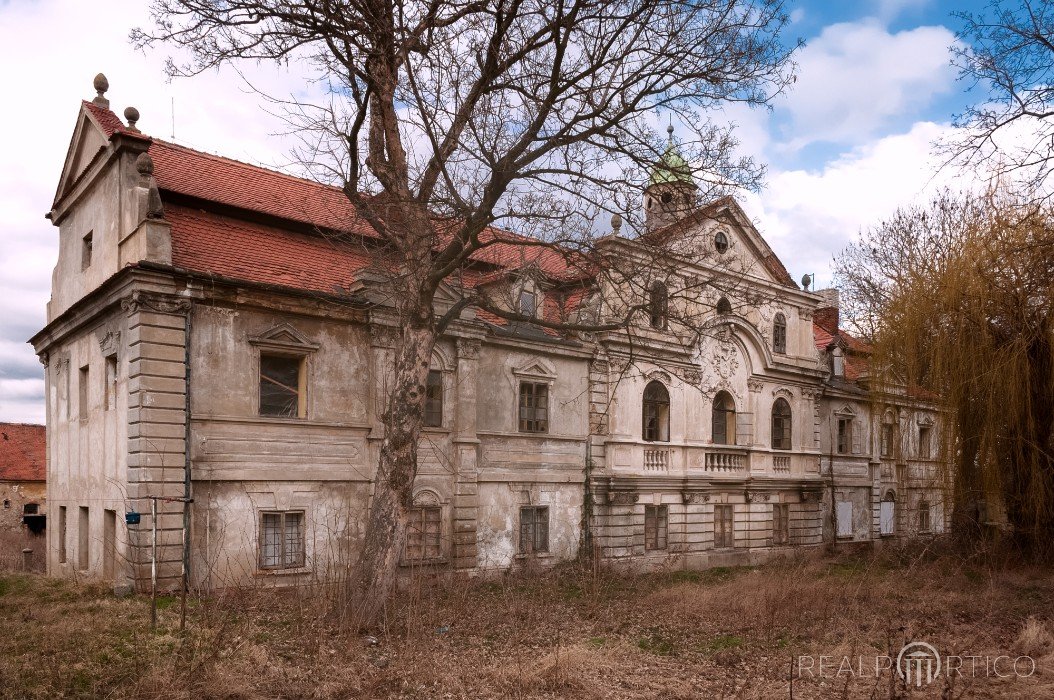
x: 279, y: 386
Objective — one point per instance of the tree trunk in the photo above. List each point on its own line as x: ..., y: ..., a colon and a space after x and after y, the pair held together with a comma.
x: 397, y: 467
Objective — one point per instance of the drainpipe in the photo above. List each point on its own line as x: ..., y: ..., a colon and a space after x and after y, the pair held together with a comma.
x: 187, y: 500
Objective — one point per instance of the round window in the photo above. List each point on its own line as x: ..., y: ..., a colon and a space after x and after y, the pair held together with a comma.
x: 721, y: 241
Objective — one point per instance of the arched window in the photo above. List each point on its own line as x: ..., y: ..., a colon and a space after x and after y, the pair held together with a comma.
x: 656, y: 413
x: 779, y: 334
x: 724, y: 306
x: 781, y: 424
x: 724, y: 419
x: 658, y: 305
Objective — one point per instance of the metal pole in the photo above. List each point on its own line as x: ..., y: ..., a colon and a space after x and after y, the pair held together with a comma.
x: 153, y: 564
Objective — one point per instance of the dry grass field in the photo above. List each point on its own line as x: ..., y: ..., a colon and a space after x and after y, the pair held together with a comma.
x: 724, y: 633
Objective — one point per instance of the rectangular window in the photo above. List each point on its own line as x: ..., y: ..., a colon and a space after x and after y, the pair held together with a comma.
x: 82, y: 405
x: 924, y: 517
x: 724, y: 526
x: 110, y: 393
x: 534, y: 407
x: 885, y: 517
x: 62, y: 534
x: 780, y: 523
x: 845, y: 435
x: 656, y: 526
x: 83, y: 539
x: 282, y: 540
x: 528, y: 303
x: 86, y: 245
x: 424, y: 533
x: 434, y: 400
x: 534, y: 529
x: 887, y: 440
x: 924, y: 442
x: 281, y: 392
x: 779, y: 338
x: 844, y: 515
x: 109, y: 543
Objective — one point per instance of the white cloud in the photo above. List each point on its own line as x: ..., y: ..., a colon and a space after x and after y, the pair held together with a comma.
x: 51, y: 51
x: 856, y: 78
x: 807, y: 217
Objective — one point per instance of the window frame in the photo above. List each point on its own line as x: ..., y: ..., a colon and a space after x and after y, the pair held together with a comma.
x: 529, y: 537
x: 424, y: 510
x: 433, y: 417
x: 301, y: 403
x: 656, y: 528
x: 87, y: 249
x: 110, y: 373
x: 844, y: 440
x: 786, y: 424
x: 524, y: 424
x: 925, y: 517
x: 727, y: 413
x: 658, y: 305
x: 887, y: 439
x: 723, y: 306
x: 727, y: 528
x: 83, y: 392
x: 301, y: 563
x: 658, y: 410
x: 925, y: 442
x: 779, y: 334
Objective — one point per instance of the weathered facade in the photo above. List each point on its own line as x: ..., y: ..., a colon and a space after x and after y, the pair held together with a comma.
x: 23, y: 496
x: 208, y: 340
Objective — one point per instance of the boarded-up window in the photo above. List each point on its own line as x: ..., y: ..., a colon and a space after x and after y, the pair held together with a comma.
x: 887, y: 440
x: 844, y: 517
x: 779, y: 334
x: 534, y: 407
x: 280, y: 388
x: 282, y: 540
x: 924, y: 442
x: 109, y: 543
x: 434, y: 400
x: 781, y: 425
x: 724, y: 526
x: 780, y: 523
x: 110, y: 390
x: 656, y: 413
x: 424, y: 534
x: 83, y: 394
x: 62, y: 534
x: 656, y: 526
x: 724, y: 419
x: 534, y: 529
x: 83, y: 538
x: 845, y: 436
x: 885, y: 517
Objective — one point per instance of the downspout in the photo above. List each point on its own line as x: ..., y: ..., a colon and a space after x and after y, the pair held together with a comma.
x: 187, y: 500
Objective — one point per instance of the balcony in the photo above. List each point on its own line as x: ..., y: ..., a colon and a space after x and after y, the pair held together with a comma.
x: 718, y: 461
x: 781, y: 464
x: 725, y: 460
x: 657, y: 460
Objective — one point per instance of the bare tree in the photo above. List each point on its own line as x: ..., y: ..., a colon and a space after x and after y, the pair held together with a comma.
x: 446, y: 118
x: 1008, y: 52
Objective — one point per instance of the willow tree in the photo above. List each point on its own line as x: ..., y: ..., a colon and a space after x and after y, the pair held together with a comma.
x: 964, y: 291
x: 529, y: 114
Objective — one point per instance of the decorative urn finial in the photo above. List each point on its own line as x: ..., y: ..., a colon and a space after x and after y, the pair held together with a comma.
x: 101, y: 86
x: 131, y: 114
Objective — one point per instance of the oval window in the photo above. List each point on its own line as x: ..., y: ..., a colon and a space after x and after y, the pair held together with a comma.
x: 721, y: 241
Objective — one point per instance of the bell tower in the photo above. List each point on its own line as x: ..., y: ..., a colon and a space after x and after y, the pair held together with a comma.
x: 671, y: 192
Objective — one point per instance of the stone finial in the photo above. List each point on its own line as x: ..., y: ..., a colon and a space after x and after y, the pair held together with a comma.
x: 616, y: 223
x: 131, y: 115
x: 101, y: 86
x: 144, y: 164
x: 151, y: 206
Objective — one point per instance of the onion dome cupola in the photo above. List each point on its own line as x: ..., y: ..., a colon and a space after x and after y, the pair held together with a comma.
x: 671, y: 192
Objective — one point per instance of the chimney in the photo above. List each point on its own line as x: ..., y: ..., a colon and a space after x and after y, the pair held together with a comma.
x: 826, y: 315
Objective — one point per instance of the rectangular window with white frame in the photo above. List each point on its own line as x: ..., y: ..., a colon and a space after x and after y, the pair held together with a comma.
x: 282, y: 540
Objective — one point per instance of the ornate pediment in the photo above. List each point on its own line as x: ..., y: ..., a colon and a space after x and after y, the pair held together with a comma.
x: 284, y: 337
x: 535, y: 368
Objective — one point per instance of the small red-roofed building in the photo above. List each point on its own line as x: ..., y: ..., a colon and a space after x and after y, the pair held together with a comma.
x: 23, y: 495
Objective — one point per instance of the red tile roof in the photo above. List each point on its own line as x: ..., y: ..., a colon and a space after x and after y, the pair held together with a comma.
x: 22, y: 453
x: 857, y: 359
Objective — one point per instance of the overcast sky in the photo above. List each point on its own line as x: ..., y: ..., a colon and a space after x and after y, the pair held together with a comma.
x: 844, y: 148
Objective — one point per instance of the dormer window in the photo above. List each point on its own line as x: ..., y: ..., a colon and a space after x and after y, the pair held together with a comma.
x: 86, y: 244
x: 528, y: 302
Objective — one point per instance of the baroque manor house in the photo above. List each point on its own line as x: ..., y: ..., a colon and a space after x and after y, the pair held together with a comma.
x: 208, y: 338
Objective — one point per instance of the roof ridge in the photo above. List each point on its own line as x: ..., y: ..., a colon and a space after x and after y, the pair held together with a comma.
x: 243, y: 164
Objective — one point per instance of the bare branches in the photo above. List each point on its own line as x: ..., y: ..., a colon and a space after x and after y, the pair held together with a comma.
x: 1008, y: 51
